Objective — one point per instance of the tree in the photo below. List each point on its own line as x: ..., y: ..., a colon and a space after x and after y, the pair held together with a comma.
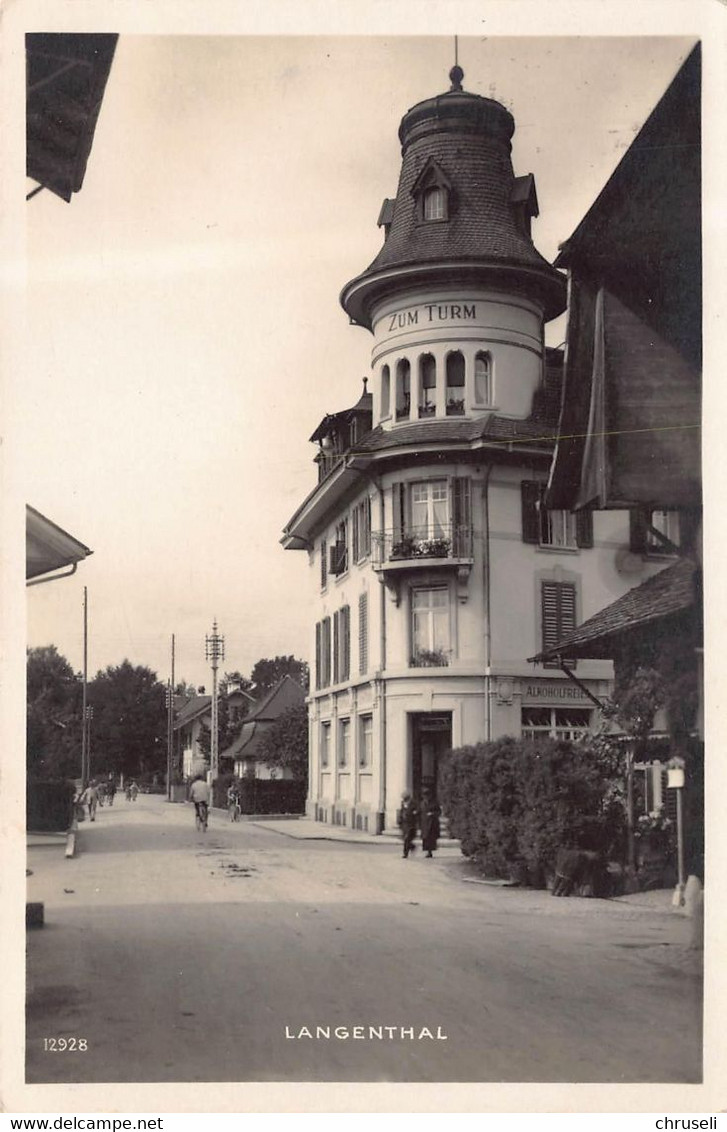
x: 267, y: 673
x: 129, y: 729
x: 54, y: 695
x: 285, y: 744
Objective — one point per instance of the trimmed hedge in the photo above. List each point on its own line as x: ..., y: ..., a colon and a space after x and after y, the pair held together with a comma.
x: 49, y: 806
x: 262, y: 795
x: 514, y: 804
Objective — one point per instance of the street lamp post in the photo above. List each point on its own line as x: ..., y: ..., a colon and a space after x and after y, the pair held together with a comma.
x: 214, y: 652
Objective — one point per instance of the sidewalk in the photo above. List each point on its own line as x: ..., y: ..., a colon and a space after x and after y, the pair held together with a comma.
x: 304, y: 829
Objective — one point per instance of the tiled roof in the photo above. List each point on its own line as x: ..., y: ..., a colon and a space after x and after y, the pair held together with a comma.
x: 285, y: 695
x: 467, y: 136
x: 670, y: 592
x: 194, y: 707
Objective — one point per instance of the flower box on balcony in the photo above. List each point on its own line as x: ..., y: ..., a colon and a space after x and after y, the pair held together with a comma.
x: 455, y: 407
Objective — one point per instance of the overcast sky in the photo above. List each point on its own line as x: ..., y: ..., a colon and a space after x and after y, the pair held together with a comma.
x: 185, y: 335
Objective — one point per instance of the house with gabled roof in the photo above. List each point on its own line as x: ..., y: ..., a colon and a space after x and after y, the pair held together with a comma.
x: 243, y: 754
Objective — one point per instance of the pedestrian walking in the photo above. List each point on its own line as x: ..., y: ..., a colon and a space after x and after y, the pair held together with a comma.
x: 430, y: 823
x: 111, y: 790
x: 408, y: 817
x: 90, y: 797
x: 133, y: 791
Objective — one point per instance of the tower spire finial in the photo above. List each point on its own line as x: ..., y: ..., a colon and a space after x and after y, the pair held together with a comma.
x: 456, y: 74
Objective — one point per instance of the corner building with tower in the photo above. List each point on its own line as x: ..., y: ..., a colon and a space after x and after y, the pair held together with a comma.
x: 435, y: 570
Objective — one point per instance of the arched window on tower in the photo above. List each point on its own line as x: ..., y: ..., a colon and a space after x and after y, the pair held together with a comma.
x: 403, y: 389
x: 427, y: 385
x: 455, y: 384
x: 435, y: 204
x: 385, y: 392
x: 483, y: 378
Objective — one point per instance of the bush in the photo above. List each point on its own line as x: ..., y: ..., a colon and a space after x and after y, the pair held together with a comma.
x: 262, y: 795
x: 49, y: 806
x: 514, y: 804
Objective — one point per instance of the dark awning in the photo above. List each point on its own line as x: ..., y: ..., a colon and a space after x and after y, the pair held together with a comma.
x: 66, y: 77
x: 48, y: 547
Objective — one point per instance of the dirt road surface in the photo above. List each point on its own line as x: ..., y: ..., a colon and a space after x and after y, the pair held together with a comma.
x: 181, y: 956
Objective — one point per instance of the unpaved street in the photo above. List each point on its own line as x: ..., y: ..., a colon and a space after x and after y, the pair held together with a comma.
x: 180, y: 956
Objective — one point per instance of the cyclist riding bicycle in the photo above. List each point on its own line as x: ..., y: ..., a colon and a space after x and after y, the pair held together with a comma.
x: 200, y: 795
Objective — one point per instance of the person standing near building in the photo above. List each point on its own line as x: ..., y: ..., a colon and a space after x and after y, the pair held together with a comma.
x: 408, y: 819
x: 429, y: 822
x: 90, y: 797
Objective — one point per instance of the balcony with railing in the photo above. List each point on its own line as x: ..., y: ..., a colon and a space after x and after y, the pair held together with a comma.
x: 447, y: 545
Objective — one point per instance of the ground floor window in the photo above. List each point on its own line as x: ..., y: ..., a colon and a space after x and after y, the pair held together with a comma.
x: 325, y: 743
x: 366, y: 740
x: 555, y: 722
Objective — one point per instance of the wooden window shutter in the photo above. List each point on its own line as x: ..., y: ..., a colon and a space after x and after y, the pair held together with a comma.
x: 584, y: 529
x: 355, y: 551
x: 318, y: 653
x: 336, y: 646
x: 398, y: 512
x: 530, y: 497
x: 326, y: 652
x: 324, y: 564
x: 461, y: 517
x: 558, y: 613
x: 345, y: 630
x: 363, y: 634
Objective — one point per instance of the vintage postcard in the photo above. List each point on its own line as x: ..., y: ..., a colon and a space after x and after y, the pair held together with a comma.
x: 355, y: 687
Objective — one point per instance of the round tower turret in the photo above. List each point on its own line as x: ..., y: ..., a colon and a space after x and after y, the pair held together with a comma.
x: 458, y: 294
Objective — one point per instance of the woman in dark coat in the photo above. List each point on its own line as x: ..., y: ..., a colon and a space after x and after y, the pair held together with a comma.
x: 429, y: 824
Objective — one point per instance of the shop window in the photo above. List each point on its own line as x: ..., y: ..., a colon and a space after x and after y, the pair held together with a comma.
x: 403, y: 389
x: 558, y: 616
x: 363, y: 634
x: 454, y: 394
x: 483, y: 378
x: 344, y: 742
x: 385, y: 391
x: 365, y: 740
x: 565, y: 530
x: 427, y: 386
x: 555, y: 722
x: 430, y: 628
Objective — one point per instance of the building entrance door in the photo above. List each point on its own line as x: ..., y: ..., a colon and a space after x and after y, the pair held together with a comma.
x: 431, y: 737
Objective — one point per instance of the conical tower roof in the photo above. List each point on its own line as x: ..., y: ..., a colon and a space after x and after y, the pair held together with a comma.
x: 462, y: 141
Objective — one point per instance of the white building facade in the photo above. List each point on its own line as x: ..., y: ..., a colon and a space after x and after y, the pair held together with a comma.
x: 434, y: 570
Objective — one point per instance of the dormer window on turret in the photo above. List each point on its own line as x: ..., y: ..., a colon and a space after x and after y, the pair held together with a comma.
x: 432, y: 193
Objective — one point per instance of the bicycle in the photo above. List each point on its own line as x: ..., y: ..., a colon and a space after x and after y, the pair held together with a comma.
x: 201, y: 816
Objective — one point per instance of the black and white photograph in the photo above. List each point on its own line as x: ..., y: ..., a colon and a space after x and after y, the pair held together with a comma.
x: 354, y: 423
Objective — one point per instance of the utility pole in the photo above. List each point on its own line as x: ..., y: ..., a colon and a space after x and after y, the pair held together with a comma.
x: 214, y: 652
x: 88, y: 718
x: 84, y: 752
x: 170, y: 729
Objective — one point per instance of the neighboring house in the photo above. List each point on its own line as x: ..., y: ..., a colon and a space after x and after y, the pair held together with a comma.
x: 630, y: 419
x: 190, y: 719
x: 436, y: 568
x: 243, y: 754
